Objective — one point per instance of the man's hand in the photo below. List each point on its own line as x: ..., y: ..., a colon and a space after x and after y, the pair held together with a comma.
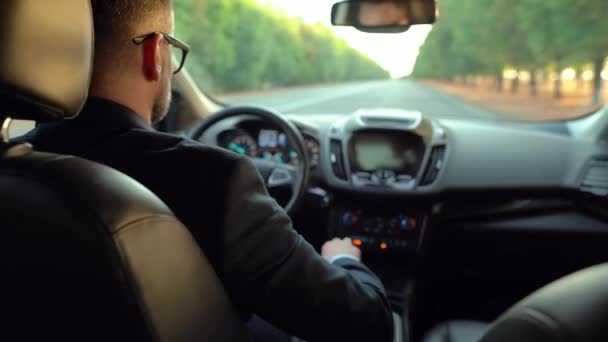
x: 339, y: 246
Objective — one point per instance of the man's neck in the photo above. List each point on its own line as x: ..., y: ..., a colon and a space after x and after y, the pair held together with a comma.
x: 127, y: 99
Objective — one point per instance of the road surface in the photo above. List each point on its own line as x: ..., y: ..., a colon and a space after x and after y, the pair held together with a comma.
x: 347, y: 98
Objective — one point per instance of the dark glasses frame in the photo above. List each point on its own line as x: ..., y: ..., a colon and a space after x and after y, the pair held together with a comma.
x: 172, y: 41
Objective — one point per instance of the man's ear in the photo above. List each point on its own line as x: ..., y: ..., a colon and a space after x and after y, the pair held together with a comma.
x: 153, y: 64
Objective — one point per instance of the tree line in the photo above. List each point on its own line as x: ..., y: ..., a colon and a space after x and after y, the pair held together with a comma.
x: 485, y: 37
x: 239, y: 45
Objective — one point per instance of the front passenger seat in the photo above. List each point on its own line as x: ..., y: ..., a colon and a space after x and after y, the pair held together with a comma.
x: 572, y: 308
x: 87, y: 253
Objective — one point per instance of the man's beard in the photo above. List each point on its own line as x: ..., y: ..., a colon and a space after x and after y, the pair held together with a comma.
x: 161, y: 107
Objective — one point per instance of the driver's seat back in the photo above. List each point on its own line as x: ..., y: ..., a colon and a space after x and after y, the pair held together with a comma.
x: 86, y: 253
x: 89, y: 254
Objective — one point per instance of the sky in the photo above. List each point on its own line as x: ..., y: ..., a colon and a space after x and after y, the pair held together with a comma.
x: 394, y: 52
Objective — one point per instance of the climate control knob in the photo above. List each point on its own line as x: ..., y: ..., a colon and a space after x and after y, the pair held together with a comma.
x: 350, y: 218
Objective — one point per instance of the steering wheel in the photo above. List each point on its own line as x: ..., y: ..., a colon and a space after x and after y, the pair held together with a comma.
x: 275, y: 175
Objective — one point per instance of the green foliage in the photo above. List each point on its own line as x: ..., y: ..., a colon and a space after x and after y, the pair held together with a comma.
x: 485, y: 36
x: 241, y: 45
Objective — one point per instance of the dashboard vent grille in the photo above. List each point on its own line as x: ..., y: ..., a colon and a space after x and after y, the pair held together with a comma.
x: 596, y: 178
x: 336, y: 158
x: 388, y: 121
x: 436, y: 162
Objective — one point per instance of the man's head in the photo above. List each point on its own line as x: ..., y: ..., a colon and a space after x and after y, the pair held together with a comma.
x: 135, y: 75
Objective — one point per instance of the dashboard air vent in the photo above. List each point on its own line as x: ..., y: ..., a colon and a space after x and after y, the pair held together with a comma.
x: 388, y: 120
x: 436, y: 162
x: 336, y: 158
x: 595, y: 180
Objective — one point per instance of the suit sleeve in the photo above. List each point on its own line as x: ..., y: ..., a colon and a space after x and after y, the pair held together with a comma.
x: 272, y: 271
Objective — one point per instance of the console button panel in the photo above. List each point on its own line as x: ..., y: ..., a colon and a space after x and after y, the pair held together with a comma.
x: 391, y: 233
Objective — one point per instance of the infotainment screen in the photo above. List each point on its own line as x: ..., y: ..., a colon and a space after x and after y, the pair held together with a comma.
x: 385, y: 150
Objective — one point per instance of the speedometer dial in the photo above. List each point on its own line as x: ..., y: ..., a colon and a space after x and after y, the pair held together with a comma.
x: 243, y: 144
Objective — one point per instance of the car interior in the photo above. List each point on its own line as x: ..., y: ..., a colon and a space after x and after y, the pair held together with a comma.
x: 479, y: 231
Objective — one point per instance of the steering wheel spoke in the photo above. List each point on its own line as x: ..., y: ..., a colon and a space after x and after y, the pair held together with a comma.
x: 281, y: 176
x: 276, y: 175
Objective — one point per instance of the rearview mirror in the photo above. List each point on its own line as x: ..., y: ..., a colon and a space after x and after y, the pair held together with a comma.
x: 384, y: 16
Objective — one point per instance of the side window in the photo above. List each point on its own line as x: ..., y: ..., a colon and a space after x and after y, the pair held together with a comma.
x: 20, y: 127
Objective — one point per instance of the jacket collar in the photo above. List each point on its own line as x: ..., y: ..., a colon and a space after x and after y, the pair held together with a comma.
x: 107, y: 114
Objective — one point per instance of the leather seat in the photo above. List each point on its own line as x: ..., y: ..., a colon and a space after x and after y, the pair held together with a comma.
x: 87, y: 253
x: 573, y: 308
x: 457, y: 331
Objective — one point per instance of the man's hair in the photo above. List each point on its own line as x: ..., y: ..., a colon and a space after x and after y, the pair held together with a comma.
x: 116, y: 22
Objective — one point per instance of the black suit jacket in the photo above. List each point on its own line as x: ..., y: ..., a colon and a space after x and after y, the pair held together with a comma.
x: 266, y: 267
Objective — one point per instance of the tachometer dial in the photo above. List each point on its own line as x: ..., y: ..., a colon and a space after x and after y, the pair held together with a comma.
x: 243, y: 144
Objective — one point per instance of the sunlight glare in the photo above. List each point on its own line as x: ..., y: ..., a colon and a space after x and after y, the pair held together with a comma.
x: 396, y: 53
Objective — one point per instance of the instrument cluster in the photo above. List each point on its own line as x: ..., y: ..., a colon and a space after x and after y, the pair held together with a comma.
x: 268, y: 144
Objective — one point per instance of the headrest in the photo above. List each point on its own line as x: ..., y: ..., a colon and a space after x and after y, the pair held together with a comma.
x: 45, y: 58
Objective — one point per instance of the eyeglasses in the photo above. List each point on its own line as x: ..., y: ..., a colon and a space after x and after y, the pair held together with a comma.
x: 180, y: 49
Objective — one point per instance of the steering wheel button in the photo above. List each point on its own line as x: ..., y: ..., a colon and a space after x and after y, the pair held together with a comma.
x: 279, y: 177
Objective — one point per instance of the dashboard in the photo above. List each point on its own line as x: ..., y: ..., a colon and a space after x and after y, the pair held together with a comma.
x: 431, y: 201
x: 268, y: 143
x: 389, y: 175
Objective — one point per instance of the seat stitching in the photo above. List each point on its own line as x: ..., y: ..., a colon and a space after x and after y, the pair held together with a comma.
x: 131, y: 223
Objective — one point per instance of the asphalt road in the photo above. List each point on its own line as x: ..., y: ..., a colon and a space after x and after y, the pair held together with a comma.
x: 347, y: 98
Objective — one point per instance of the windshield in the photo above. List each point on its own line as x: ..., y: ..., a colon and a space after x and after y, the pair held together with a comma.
x: 516, y: 60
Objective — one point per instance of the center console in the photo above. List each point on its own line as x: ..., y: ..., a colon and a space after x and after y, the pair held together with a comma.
x: 384, y: 168
x: 383, y: 159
